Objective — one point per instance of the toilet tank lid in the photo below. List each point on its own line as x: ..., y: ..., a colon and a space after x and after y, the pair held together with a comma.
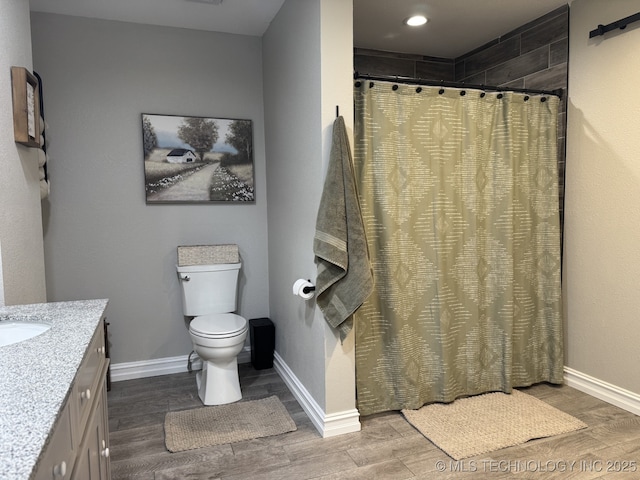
x: 208, y: 268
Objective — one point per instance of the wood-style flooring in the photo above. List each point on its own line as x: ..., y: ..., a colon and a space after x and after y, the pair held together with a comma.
x: 387, y: 447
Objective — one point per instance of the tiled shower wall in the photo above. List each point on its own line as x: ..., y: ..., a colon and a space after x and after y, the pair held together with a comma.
x: 533, y: 56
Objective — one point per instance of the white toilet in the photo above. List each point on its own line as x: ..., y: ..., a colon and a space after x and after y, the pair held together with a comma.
x: 209, y: 294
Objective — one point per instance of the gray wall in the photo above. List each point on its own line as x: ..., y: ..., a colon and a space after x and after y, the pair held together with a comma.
x: 21, y: 246
x: 307, y: 72
x: 602, y: 258
x: 101, y: 239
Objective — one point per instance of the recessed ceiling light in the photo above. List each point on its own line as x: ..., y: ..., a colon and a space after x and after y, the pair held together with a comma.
x: 416, y: 20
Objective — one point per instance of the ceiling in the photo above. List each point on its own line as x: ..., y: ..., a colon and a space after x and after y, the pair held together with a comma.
x: 454, y: 28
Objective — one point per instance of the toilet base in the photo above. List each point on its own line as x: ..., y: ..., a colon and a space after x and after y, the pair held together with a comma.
x: 218, y: 383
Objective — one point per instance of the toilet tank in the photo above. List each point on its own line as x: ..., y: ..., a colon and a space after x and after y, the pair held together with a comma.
x: 208, y: 288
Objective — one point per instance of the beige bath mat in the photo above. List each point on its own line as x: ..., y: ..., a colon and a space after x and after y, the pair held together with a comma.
x: 234, y: 422
x: 484, y: 423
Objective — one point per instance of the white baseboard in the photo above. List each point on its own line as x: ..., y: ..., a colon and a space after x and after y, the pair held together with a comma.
x: 607, y: 392
x: 163, y: 366
x: 329, y: 425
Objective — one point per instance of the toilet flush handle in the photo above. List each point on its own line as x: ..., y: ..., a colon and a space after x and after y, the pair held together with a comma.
x: 186, y: 278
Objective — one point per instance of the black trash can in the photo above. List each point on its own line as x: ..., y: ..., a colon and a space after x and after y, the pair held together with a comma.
x: 262, y: 333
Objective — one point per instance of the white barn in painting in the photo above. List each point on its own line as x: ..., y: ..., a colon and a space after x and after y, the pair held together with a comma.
x: 181, y: 155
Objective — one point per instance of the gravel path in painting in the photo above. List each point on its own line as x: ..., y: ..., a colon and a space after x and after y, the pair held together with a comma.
x: 210, y: 183
x: 194, y: 188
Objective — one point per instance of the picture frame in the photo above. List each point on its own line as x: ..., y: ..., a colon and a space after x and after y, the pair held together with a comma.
x: 191, y: 159
x: 26, y: 107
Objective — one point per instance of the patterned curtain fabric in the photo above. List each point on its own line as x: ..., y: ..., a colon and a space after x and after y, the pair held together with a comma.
x: 459, y: 197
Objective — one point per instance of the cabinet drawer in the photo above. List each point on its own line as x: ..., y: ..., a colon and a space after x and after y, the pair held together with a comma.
x: 88, y: 377
x: 59, y: 457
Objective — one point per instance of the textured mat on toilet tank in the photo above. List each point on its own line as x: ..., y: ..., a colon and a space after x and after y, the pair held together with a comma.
x: 230, y: 423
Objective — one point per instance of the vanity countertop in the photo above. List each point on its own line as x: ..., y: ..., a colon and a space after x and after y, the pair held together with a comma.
x: 36, y: 376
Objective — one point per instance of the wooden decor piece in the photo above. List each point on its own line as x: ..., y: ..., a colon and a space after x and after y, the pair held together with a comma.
x: 26, y: 107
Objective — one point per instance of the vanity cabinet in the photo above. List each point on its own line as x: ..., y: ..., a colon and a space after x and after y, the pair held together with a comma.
x: 79, y: 445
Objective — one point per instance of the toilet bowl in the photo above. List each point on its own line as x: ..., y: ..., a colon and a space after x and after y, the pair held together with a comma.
x: 218, y: 339
x: 218, y: 334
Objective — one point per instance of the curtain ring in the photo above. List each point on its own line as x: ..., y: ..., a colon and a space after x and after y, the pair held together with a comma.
x: 418, y: 90
x: 441, y: 91
x: 394, y: 88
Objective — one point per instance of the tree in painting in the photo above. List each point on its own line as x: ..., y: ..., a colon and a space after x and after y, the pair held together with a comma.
x: 240, y: 137
x: 200, y: 133
x: 149, y: 137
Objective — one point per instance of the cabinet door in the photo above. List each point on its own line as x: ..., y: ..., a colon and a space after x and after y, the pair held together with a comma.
x: 93, y: 457
x: 103, y: 418
x: 59, y: 457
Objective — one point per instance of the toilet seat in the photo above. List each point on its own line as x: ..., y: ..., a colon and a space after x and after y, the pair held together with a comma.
x: 218, y: 325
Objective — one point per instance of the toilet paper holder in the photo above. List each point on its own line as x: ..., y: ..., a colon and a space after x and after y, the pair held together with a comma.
x: 304, y: 288
x: 309, y: 288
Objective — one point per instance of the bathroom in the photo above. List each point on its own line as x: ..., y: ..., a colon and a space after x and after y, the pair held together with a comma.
x: 102, y: 240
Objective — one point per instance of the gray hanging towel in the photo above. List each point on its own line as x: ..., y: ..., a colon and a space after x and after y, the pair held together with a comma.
x: 344, y: 278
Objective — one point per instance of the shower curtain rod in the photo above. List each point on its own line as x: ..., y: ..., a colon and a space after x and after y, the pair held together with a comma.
x: 441, y: 83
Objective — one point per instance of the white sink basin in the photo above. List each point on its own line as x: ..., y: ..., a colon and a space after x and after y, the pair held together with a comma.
x: 13, y: 332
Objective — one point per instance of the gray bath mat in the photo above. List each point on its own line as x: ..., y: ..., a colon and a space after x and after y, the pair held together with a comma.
x: 484, y: 423
x: 230, y: 423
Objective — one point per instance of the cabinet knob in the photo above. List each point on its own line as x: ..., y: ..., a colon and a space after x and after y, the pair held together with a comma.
x: 101, y: 350
x: 86, y: 395
x: 105, y: 453
x: 60, y: 470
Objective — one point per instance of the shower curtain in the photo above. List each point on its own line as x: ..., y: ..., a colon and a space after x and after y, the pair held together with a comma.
x: 459, y: 197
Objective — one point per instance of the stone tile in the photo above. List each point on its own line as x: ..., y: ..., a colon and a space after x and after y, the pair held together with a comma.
x: 606, y: 414
x: 477, y: 79
x: 519, y: 83
x: 371, y: 436
x: 545, y: 33
x: 302, y: 469
x: 388, y: 470
x: 381, y: 53
x: 154, y: 462
x: 396, y: 448
x: 559, y: 52
x: 548, y: 79
x: 384, y: 66
x: 435, y: 70
x: 242, y: 465
x: 137, y: 406
x: 564, y: 9
x: 491, y: 57
x: 134, y: 442
x: 519, y: 67
x: 136, y: 421
x: 619, y: 431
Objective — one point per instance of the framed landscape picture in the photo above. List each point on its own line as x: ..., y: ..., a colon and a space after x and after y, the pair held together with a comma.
x: 197, y: 159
